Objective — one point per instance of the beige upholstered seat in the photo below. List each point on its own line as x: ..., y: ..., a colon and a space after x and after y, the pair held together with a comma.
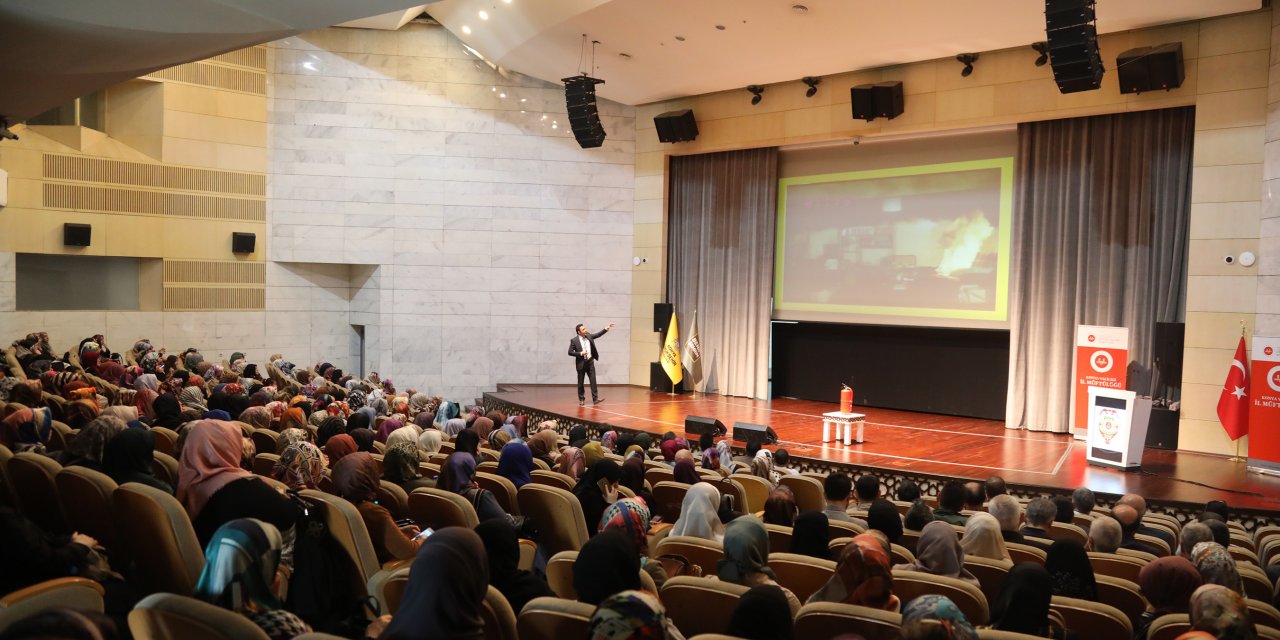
x: 437, y: 508
x: 829, y: 619
x: 757, y: 489
x: 429, y: 470
x: 554, y: 619
x: 264, y: 463
x: 808, y: 491
x: 1169, y: 627
x: 1160, y: 546
x: 560, y: 574
x: 80, y: 594
x: 841, y: 529
x: 668, y: 496
x: 909, y: 539
x: 387, y: 587
x: 499, y: 619
x: 393, y: 498
x: 1242, y: 554
x: 264, y: 441
x: 503, y: 490
x: 552, y: 479
x: 803, y: 575
x: 348, y: 529
x: 86, y: 501
x: 1256, y: 583
x: 487, y: 466
x: 167, y: 616
x: 1082, y: 520
x: 1242, y: 539
x: 540, y: 464
x: 1263, y: 613
x: 990, y: 573
x: 157, y: 534
x: 1123, y: 595
x: 662, y: 473
x: 698, y: 551
x: 1065, y: 531
x: 779, y: 538
x: 167, y: 441
x: 899, y: 554
x: 1134, y: 553
x: 1116, y: 565
x: 165, y: 467
x: 1025, y: 553
x: 986, y: 633
x: 700, y: 605
x: 733, y: 488
x: 968, y: 598
x: 1092, y: 619
x: 487, y: 455
x: 61, y: 436
x: 35, y: 491
x: 557, y: 514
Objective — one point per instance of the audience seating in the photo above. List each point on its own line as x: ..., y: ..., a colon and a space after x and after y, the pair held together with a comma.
x: 499, y: 619
x: 437, y: 508
x: 668, y: 495
x: 841, y: 529
x: 899, y: 554
x: 264, y: 463
x: 554, y: 619
x: 1243, y: 539
x: 1116, y: 565
x: 829, y: 620
x: 552, y: 479
x: 757, y: 491
x: 1256, y: 582
x: 541, y: 465
x: 1082, y: 520
x: 700, y: 605
x: 733, y: 488
x: 987, y: 633
x: 80, y: 594
x: 1169, y: 626
x: 165, y: 467
x: 990, y: 573
x: 1242, y: 554
x: 35, y: 491
x: 704, y: 553
x: 167, y: 441
x: 1092, y: 619
x: 387, y: 587
x: 1134, y: 553
x: 348, y: 529
x: 394, y: 499
x: 779, y: 538
x: 1064, y: 531
x: 809, y: 492
x: 557, y: 514
x: 909, y: 539
x: 165, y: 616
x: 429, y: 470
x: 439, y: 457
x: 502, y: 489
x: 1160, y: 547
x: 1025, y: 553
x: 803, y: 575
x: 654, y: 475
x: 968, y: 598
x: 1262, y: 534
x: 487, y: 467
x: 1123, y: 595
x: 560, y: 574
x: 60, y: 437
x: 1261, y: 612
x: 264, y: 441
x: 1165, y: 520
x: 86, y: 502
x: 156, y: 532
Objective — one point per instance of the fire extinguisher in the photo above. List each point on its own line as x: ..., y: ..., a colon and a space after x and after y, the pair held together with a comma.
x: 846, y: 399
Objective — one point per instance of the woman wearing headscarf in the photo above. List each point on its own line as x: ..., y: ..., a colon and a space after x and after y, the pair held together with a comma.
x: 468, y: 441
x: 144, y: 400
x: 78, y: 413
x: 361, y: 419
x: 544, y: 445
x: 572, y: 462
x: 404, y: 435
x: 453, y: 427
x: 290, y: 436
x: 447, y: 586
x: 429, y: 442
x: 609, y: 563
x: 425, y: 421
x: 364, y: 439
x: 400, y: 467
x: 632, y: 615
x: 483, y: 427
x: 724, y: 449
x: 1023, y: 604
x: 633, y: 478
x: 300, y: 466
x: 592, y: 452
x: 596, y: 490
x: 1216, y: 566
x: 710, y: 455
x: 339, y: 447
x: 130, y: 456
x: 939, y: 552
x: 762, y: 613
x: 214, y: 488
x: 883, y: 516
x: 125, y: 413
x: 86, y: 449
x: 810, y: 536
x: 329, y: 427
x: 445, y: 412
x: 241, y: 561
x: 699, y: 516
x: 746, y: 557
x: 147, y: 381
x: 385, y: 429
x: 939, y: 609
x: 515, y: 463
x: 293, y: 418
x: 982, y: 537
x: 1068, y: 565
x: 502, y: 546
x: 498, y: 438
x: 780, y: 507
x: 1221, y: 612
x: 257, y: 417
x: 1167, y: 583
x: 457, y: 474
x: 193, y: 400
x: 355, y: 477
x: 862, y: 577
x: 577, y: 436
x: 762, y: 466
x: 669, y: 449
x: 27, y: 430
x: 631, y: 516
x: 685, y: 472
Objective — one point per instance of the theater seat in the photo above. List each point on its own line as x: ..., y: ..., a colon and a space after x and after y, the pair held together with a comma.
x: 393, y: 498
x: 437, y: 508
x: 1065, y: 531
x: 700, y: 605
x: 986, y: 633
x: 907, y: 585
x: 899, y: 554
x: 668, y: 497
x: 840, y: 529
x: 803, y: 575
x: 387, y: 587
x: 157, y: 534
x: 989, y: 572
x: 757, y: 491
x: 1160, y: 546
x: 1263, y: 613
x: 554, y: 619
x: 167, y: 441
x: 348, y: 529
x: 1116, y: 565
x: 79, y: 594
x: 264, y: 463
x: 499, y: 619
x: 779, y: 538
x: 86, y: 501
x: 557, y: 514
x: 551, y: 479
x: 808, y: 491
x: 699, y: 551
x: 1256, y: 583
x: 1123, y: 595
x: 1091, y: 619
x: 165, y: 467
x: 502, y: 489
x: 167, y: 616
x: 35, y: 491
x: 733, y: 488
x: 6, y: 491
x: 663, y: 473
x: 264, y: 441
x: 1169, y: 626
x: 829, y: 620
x: 560, y: 574
x: 1025, y: 553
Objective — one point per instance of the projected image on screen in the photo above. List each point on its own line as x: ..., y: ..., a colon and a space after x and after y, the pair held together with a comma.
x: 925, y: 241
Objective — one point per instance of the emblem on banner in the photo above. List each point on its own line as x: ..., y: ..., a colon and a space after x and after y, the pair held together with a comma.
x: 1101, y: 361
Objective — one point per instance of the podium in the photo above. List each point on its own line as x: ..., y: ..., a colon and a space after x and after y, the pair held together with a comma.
x: 1117, y: 431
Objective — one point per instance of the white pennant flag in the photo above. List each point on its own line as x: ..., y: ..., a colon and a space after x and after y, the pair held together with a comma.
x: 691, y: 357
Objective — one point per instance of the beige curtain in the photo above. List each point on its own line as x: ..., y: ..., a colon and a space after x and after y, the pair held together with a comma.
x: 1102, y: 206
x: 722, y: 212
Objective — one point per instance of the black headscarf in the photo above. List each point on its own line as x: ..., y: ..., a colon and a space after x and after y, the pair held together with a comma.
x: 503, y: 547
x: 883, y: 516
x: 1068, y: 565
x: 467, y: 440
x: 364, y: 439
x: 329, y: 427
x: 762, y: 614
x: 446, y: 590
x: 607, y: 564
x: 168, y: 411
x: 357, y: 420
x: 236, y: 404
x: 577, y: 436
x: 128, y: 457
x: 588, y: 491
x: 1023, y: 605
x: 810, y: 537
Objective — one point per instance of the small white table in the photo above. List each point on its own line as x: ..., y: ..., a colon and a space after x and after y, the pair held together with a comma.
x: 843, y: 420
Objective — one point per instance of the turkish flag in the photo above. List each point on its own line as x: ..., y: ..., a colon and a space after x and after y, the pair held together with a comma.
x: 1233, y: 404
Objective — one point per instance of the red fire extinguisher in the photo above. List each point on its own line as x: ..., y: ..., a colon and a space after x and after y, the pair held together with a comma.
x: 846, y: 399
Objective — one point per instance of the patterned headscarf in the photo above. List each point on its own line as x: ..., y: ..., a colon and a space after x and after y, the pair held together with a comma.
x: 454, y: 426
x: 746, y: 550
x: 290, y: 436
x: 631, y: 516
x: 301, y: 466
x: 1216, y: 566
x: 240, y: 565
x: 400, y: 463
x: 629, y: 615
x: 27, y: 429
x: 193, y: 398
x: 1220, y: 611
x: 256, y: 417
x: 572, y: 462
x: 863, y: 576
x: 943, y: 610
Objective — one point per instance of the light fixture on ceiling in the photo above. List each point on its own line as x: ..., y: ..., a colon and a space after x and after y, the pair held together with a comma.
x: 757, y: 93
x: 624, y: 55
x: 967, y: 59
x: 466, y: 29
x: 812, y: 83
x: 799, y: 9
x: 1041, y: 48
x: 484, y: 15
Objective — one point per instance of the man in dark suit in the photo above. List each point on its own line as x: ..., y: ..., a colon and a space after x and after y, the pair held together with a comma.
x: 583, y: 349
x: 1039, y: 515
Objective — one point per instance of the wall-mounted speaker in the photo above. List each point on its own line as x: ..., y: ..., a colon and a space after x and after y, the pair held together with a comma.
x: 676, y: 126
x: 1072, y: 34
x: 662, y: 316
x: 698, y: 425
x: 1151, y: 68
x: 880, y: 100
x: 76, y: 235
x: 747, y: 432
x: 243, y: 242
x: 584, y: 118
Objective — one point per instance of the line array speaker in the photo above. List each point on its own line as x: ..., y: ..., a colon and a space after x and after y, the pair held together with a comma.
x: 676, y: 126
x: 584, y: 118
x: 880, y: 100
x: 1072, y: 34
x: 1151, y: 68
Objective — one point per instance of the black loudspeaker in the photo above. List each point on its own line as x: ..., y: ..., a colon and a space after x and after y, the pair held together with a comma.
x: 1151, y: 68
x: 747, y: 432
x: 242, y: 242
x: 880, y: 100
x: 1167, y: 348
x: 676, y: 126
x: 658, y: 380
x: 698, y: 425
x: 1162, y: 431
x: 662, y: 316
x: 76, y: 235
x: 1073, y: 44
x: 584, y: 118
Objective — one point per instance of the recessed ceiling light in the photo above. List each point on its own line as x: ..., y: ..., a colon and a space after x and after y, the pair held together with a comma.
x: 624, y: 56
x: 720, y: 27
x: 484, y: 15
x: 466, y: 29
x: 522, y: 100
x: 507, y: 1
x: 502, y: 95
x: 799, y: 8
x: 680, y: 38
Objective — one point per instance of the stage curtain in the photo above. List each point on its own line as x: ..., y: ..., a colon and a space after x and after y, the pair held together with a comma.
x: 1102, y: 206
x: 722, y: 213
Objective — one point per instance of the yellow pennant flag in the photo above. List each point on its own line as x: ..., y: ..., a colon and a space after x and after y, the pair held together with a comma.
x: 670, y: 358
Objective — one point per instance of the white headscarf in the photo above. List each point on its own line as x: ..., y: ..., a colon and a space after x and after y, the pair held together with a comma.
x: 699, y: 515
x: 982, y: 537
x: 403, y: 434
x: 430, y: 440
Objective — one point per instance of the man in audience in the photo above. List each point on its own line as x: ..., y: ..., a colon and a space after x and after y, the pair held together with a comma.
x: 950, y: 502
x: 838, y: 490
x: 1193, y: 533
x: 1219, y: 507
x: 1040, y: 514
x: 974, y: 496
x: 1083, y: 501
x: 1104, y: 535
x: 994, y: 486
x: 1008, y: 512
x: 753, y: 447
x: 917, y: 516
x: 1139, y: 504
x: 908, y: 491
x: 1220, y: 531
x: 867, y: 489
x: 780, y: 461
x: 1066, y: 510
x: 1127, y: 516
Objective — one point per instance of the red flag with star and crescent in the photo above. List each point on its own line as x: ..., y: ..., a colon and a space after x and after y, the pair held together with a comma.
x: 1233, y: 404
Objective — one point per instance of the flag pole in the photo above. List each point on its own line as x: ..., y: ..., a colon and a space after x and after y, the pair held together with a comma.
x: 1236, y: 457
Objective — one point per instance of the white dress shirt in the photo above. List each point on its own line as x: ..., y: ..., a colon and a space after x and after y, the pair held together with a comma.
x: 586, y: 346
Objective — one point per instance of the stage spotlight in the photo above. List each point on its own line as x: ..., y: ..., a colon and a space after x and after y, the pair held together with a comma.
x: 967, y: 59
x: 1041, y: 48
x: 757, y: 93
x: 813, y: 85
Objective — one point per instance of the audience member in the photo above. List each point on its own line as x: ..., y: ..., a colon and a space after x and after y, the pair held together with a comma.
x: 515, y: 463
x: 1023, y: 603
x: 781, y: 462
x: 837, y: 489
x: 240, y: 574
x: 908, y: 491
x: 863, y: 577
x: 1193, y: 533
x: 608, y: 563
x: 301, y: 466
x: 1008, y: 512
x: 762, y: 467
x: 762, y: 613
x: 355, y: 478
x: 866, y: 489
x: 780, y: 507
x: 1220, y: 531
x: 752, y: 448
x: 995, y: 486
x: 1139, y: 504
x: 1167, y: 584
x: 685, y: 471
x: 400, y: 465
x: 1068, y: 565
x: 917, y: 516
x: 1216, y: 566
x: 543, y: 446
x: 337, y: 448
x: 130, y: 457
x: 572, y: 462
x: 810, y: 535
x: 1039, y: 516
x: 631, y: 516
x: 1221, y: 612
x: 975, y: 495
x: 1127, y: 516
x: 1066, y: 510
x: 746, y: 557
x: 31, y: 554
x: 939, y: 609
x: 1083, y: 502
x: 63, y: 624
x: 631, y: 615
x: 939, y: 552
x: 950, y: 502
x: 699, y: 514
x: 1105, y: 535
x: 445, y: 594
x: 1219, y: 507
x: 982, y: 537
x: 502, y: 547
x: 596, y: 490
x: 457, y: 474
x: 883, y: 516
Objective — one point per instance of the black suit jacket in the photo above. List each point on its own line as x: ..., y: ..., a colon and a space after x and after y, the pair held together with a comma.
x: 575, y: 348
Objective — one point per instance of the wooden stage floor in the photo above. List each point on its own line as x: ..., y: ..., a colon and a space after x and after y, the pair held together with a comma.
x: 919, y: 443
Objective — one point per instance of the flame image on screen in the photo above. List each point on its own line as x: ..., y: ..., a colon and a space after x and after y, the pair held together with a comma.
x: 963, y: 238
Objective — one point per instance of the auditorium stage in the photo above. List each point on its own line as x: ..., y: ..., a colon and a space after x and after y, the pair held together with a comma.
x: 916, y: 444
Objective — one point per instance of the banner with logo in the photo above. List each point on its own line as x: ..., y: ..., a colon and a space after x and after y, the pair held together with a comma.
x: 1102, y: 360
x: 1264, y: 404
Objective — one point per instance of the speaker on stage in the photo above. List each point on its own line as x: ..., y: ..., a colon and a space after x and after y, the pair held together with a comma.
x: 698, y: 425
x: 747, y: 432
x: 661, y: 316
x: 658, y: 380
x: 1162, y: 431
